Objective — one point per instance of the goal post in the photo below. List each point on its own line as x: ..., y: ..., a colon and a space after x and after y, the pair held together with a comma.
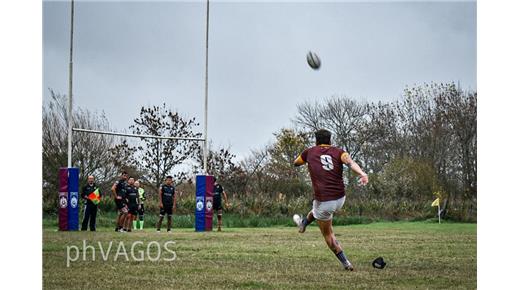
x: 204, y: 192
x: 68, y: 196
x: 136, y: 135
x: 66, y: 172
x: 70, y: 129
x: 68, y: 183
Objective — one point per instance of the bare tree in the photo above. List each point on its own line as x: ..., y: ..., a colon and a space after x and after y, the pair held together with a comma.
x: 344, y: 117
x: 156, y: 157
x: 220, y: 161
x: 459, y: 109
x: 90, y: 152
x: 253, y: 166
x: 439, y: 125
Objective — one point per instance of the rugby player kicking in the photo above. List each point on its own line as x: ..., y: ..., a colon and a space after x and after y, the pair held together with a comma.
x: 325, y: 164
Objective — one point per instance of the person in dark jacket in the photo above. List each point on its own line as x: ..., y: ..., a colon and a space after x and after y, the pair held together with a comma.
x: 89, y: 216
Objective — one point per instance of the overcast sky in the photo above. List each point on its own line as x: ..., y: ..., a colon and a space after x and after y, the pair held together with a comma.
x: 129, y: 54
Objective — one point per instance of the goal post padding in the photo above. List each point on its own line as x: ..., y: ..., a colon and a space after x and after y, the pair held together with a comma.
x: 68, y: 199
x: 73, y: 215
x: 205, y: 185
x: 63, y: 198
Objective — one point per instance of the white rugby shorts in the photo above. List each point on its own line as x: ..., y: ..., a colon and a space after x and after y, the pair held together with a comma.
x: 324, y: 210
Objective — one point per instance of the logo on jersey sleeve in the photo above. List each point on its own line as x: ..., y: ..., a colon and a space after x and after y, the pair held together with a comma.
x: 326, y: 162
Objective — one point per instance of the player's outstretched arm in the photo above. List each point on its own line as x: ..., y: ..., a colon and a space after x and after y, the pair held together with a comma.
x: 346, y: 159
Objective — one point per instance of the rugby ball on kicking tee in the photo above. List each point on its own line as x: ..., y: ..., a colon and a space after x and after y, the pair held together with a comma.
x: 313, y: 60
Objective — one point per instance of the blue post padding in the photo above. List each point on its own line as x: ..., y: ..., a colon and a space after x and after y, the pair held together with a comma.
x: 201, y: 185
x: 73, y: 199
x: 200, y: 194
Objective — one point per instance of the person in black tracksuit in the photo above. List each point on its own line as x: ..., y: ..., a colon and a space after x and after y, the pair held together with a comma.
x: 167, y: 203
x: 90, y: 208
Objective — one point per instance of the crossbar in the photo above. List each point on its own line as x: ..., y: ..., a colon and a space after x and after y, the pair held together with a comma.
x: 136, y: 135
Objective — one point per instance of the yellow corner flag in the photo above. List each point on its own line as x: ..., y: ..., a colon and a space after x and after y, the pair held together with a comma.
x: 435, y: 202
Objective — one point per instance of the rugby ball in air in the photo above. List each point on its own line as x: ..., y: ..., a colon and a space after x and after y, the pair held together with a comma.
x: 313, y: 60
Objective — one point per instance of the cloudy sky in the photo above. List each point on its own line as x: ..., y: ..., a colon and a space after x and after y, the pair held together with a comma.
x: 129, y: 54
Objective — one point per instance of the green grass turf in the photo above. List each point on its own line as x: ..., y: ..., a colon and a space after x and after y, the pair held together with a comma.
x: 420, y: 255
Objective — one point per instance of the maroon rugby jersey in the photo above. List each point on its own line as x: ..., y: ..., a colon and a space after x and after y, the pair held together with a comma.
x: 326, y: 170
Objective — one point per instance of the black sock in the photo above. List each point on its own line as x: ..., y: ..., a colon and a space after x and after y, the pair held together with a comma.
x: 306, y: 222
x: 342, y: 258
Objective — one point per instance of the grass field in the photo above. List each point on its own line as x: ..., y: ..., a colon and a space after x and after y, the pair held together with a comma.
x: 420, y: 255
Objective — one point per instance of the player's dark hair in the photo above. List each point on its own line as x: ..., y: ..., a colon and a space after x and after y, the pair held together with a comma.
x: 124, y: 172
x: 169, y: 177
x: 322, y: 137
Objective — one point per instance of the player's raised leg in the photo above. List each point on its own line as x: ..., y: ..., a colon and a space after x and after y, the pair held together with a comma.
x: 302, y: 223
